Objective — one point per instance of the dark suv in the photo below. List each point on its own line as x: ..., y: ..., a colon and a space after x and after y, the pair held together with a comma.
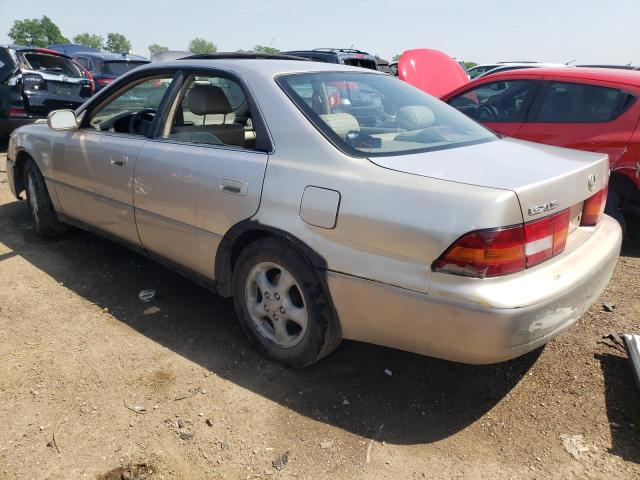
x: 35, y: 81
x: 105, y: 67
x: 344, y: 56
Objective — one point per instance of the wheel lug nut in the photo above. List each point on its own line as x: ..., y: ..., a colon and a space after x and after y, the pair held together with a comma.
x: 275, y: 316
x: 266, y: 307
x: 277, y: 295
x: 281, y: 309
x: 266, y: 294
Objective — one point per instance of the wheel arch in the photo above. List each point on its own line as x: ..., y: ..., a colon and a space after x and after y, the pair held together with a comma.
x: 248, y: 231
x: 22, y: 156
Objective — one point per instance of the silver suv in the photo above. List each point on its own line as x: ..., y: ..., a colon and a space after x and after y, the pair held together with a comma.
x: 331, y: 202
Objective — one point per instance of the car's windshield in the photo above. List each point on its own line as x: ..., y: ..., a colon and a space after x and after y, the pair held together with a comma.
x: 367, y: 114
x: 119, y: 67
x: 51, y: 64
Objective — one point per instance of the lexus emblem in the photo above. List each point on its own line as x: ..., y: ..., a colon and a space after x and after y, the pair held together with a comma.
x: 591, y: 182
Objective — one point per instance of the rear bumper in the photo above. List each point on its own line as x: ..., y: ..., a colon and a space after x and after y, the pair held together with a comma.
x: 480, y: 320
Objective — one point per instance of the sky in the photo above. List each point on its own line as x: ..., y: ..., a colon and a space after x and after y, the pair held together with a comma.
x: 587, y: 31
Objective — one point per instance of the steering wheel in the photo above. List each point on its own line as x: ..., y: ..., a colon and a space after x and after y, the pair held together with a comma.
x: 488, y: 113
x: 141, y: 121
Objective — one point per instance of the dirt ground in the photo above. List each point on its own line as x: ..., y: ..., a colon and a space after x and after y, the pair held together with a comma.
x: 79, y: 354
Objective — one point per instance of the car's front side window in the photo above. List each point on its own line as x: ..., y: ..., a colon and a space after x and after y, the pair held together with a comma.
x: 131, y: 111
x: 499, y: 101
x: 372, y: 114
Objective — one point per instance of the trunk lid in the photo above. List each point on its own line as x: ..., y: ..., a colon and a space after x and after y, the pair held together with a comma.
x: 546, y: 179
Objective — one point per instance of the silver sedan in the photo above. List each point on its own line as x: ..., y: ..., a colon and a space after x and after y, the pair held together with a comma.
x: 331, y: 202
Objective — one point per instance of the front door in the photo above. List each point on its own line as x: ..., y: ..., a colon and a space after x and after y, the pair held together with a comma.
x: 94, y: 165
x: 202, y: 176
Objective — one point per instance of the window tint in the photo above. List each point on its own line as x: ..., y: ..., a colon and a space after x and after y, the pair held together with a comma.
x: 143, y: 99
x: 500, y: 101
x: 119, y: 68
x: 213, y: 111
x: 85, y: 62
x: 580, y: 103
x: 367, y: 114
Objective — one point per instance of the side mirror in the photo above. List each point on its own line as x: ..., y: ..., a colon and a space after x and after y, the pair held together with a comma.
x: 62, y: 120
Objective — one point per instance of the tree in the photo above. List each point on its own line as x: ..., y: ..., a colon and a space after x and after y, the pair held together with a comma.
x: 117, y: 43
x: 154, y: 49
x: 201, y: 46
x: 36, y: 32
x: 93, y: 41
x: 396, y: 57
x: 469, y: 65
x: 266, y: 50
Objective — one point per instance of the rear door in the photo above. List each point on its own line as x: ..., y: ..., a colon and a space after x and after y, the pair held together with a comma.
x: 499, y: 104
x: 586, y: 115
x: 202, y: 174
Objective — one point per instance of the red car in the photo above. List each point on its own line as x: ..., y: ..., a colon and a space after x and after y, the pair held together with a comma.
x: 592, y: 109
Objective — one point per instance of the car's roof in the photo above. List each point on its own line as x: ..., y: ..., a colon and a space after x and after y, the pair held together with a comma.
x: 108, y: 56
x: 586, y: 73
x: 262, y: 66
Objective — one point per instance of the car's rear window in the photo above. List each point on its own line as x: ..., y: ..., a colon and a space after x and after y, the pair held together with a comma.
x: 360, y: 62
x: 53, y: 64
x: 368, y: 114
x: 119, y: 67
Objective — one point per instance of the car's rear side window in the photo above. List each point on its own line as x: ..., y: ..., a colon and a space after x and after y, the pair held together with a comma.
x: 565, y: 102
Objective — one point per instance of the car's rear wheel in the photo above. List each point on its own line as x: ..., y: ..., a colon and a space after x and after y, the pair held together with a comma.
x: 45, y: 219
x: 281, y: 304
x: 613, y: 208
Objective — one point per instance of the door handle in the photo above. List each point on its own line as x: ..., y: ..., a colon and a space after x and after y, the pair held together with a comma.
x: 234, y: 186
x: 119, y: 160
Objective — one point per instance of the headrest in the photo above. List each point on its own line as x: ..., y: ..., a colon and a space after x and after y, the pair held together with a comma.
x: 341, y: 123
x: 414, y: 117
x: 208, y: 100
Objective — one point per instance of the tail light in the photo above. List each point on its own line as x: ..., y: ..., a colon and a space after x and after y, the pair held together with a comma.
x: 501, y: 251
x: 593, y: 208
x: 104, y: 81
x: 17, y: 112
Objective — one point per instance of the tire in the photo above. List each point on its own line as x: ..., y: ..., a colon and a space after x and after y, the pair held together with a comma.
x: 613, y: 208
x: 45, y: 219
x: 282, y: 305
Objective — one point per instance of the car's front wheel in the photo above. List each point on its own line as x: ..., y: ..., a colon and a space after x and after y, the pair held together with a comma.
x: 281, y: 304
x: 45, y: 219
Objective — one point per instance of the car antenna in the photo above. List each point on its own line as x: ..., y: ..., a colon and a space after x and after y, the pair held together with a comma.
x: 570, y: 62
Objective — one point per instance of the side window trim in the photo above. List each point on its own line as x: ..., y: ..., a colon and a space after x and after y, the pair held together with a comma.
x: 264, y: 142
